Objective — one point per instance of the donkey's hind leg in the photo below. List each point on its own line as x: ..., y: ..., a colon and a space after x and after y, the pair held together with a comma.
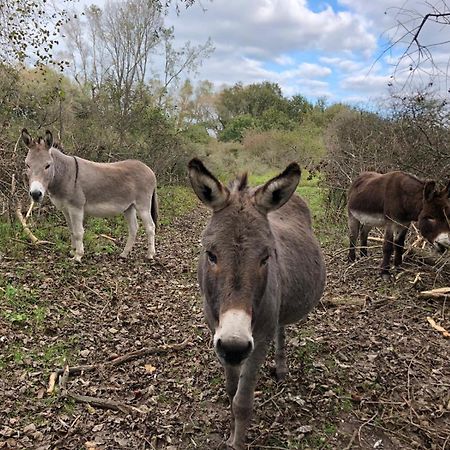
x: 399, y: 245
x: 130, y: 216
x: 363, y: 235
x: 353, y: 231
x: 149, y: 226
x: 281, y: 368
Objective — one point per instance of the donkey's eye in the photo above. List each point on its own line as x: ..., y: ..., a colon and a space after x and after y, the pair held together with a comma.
x: 265, y: 260
x: 47, y: 167
x: 212, y: 257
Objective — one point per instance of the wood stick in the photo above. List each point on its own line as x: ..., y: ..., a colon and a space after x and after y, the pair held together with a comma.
x: 52, y: 382
x: 104, y: 403
x: 108, y: 237
x: 126, y: 358
x: 26, y: 228
x: 442, y: 292
x: 437, y: 327
x: 28, y: 214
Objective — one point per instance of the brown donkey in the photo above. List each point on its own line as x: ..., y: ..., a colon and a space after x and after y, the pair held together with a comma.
x: 393, y: 200
x: 260, y: 269
x: 79, y: 187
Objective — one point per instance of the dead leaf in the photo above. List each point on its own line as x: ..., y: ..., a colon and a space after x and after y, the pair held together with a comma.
x: 149, y: 368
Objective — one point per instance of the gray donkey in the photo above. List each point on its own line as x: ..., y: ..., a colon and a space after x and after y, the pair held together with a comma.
x: 79, y: 187
x: 260, y: 269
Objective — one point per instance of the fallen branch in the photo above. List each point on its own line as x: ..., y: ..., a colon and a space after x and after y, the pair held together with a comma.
x: 104, y: 403
x: 437, y: 327
x: 26, y: 228
x: 442, y: 292
x: 121, y: 359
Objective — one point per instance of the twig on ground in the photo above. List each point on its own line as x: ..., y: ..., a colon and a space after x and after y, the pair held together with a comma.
x: 352, y: 439
x: 108, y: 237
x: 52, y: 382
x: 124, y: 358
x: 104, y: 403
x: 442, y: 292
x: 437, y: 327
x: 364, y: 424
x: 26, y: 228
x: 30, y: 209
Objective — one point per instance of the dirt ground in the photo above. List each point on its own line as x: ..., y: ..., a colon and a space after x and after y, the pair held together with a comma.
x: 366, y: 370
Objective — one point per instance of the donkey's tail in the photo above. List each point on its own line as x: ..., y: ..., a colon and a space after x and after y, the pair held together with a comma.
x: 154, y: 208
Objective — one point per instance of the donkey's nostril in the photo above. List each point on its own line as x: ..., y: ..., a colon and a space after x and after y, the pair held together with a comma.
x: 233, y: 352
x: 36, y: 195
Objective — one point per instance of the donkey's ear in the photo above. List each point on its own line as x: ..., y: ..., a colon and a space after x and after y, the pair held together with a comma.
x: 48, y: 139
x: 26, y: 138
x: 429, y: 190
x: 277, y: 191
x: 207, y: 187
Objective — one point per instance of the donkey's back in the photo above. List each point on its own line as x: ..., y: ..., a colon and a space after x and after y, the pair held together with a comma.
x: 126, y: 180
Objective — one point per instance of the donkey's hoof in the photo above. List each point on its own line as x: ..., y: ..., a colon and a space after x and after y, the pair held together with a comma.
x: 231, y: 445
x: 77, y: 259
x: 386, y: 277
x: 123, y: 255
x: 150, y: 257
x: 281, y: 374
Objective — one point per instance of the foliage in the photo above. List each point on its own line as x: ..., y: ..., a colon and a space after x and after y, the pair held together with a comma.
x: 234, y: 131
x: 30, y: 30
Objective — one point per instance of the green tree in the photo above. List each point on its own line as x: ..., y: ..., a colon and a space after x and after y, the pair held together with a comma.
x: 234, y: 130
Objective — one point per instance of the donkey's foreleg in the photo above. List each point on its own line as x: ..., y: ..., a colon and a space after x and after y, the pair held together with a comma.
x: 231, y: 383
x: 281, y: 368
x: 388, y: 248
x: 149, y: 226
x: 76, y: 219
x: 130, y: 216
x: 69, y: 224
x: 243, y: 400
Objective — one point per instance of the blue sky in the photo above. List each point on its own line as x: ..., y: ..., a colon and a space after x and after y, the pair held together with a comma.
x: 316, y: 48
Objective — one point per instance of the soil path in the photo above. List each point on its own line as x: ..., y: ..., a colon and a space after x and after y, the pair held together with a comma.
x: 366, y: 370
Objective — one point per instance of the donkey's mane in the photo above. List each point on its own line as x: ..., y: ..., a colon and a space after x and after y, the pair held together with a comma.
x: 239, y: 184
x: 58, y: 145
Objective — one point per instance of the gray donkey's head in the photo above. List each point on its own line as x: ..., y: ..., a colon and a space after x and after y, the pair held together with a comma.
x: 238, y: 254
x: 39, y: 163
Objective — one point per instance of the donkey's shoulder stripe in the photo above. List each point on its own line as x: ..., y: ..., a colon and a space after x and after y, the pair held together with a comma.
x: 76, y: 169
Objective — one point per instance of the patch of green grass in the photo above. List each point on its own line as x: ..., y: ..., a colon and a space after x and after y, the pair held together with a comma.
x: 174, y: 201
x: 21, y: 306
x: 12, y: 241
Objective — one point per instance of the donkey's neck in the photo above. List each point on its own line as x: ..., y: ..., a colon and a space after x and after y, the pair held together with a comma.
x: 63, y: 172
x: 415, y: 200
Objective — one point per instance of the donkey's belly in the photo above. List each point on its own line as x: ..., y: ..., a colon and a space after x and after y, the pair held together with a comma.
x: 104, y: 209
x: 372, y: 219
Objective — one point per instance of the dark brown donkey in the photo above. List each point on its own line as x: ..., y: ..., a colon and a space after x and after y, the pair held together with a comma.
x: 393, y: 200
x: 260, y: 269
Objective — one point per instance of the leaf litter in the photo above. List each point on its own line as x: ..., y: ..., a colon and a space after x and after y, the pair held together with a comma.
x: 366, y: 369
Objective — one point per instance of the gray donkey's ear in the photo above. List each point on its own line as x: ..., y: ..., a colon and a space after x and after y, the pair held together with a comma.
x: 49, y: 139
x: 207, y: 187
x: 277, y: 191
x: 26, y: 138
